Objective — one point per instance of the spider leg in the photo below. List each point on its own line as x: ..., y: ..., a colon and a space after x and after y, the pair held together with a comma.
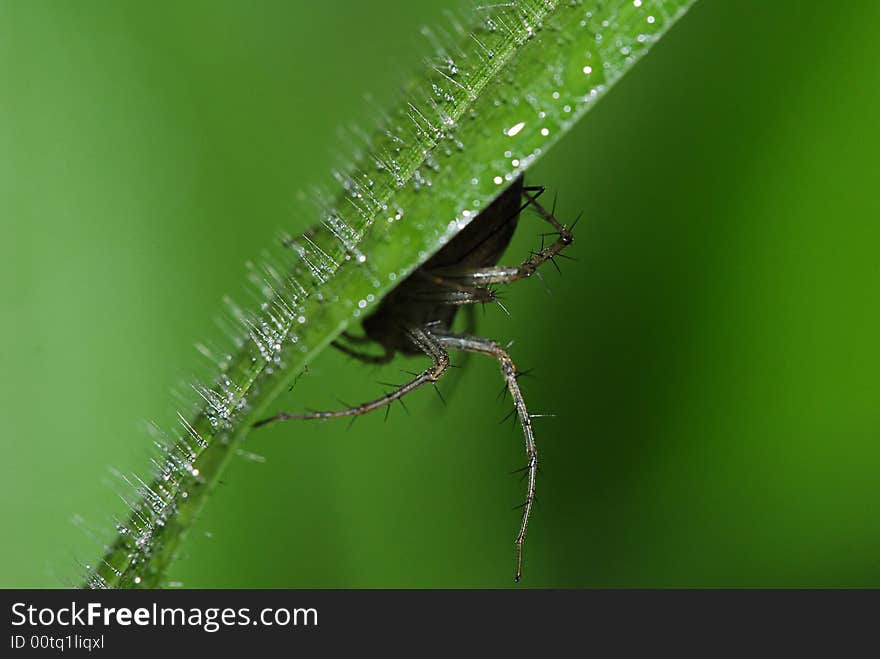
x: 421, y: 338
x: 449, y: 292
x: 505, y: 274
x: 451, y: 381
x: 356, y: 340
x: 477, y: 295
x: 442, y: 290
x: 490, y: 348
x: 365, y: 357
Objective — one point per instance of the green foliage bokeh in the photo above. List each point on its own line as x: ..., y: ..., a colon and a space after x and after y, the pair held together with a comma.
x: 712, y: 356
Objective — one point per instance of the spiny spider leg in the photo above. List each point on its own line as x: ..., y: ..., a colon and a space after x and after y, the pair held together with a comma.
x: 452, y: 293
x: 469, y: 326
x: 508, y: 370
x: 501, y: 274
x: 420, y: 337
x: 455, y: 296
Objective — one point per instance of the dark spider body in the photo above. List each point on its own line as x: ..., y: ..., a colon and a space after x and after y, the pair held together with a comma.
x: 424, y: 298
x: 416, y: 317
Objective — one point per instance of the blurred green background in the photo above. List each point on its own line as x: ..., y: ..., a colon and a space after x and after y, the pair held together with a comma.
x: 712, y: 356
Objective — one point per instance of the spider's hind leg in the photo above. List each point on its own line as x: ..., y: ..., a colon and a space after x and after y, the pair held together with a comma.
x: 473, y: 344
x: 421, y: 338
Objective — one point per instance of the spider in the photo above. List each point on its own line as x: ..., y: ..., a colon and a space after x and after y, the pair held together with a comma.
x: 416, y: 317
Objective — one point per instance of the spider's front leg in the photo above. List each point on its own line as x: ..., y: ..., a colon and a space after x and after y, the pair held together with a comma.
x: 506, y: 274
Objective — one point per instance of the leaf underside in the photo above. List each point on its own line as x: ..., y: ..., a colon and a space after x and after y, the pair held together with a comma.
x: 498, y: 91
